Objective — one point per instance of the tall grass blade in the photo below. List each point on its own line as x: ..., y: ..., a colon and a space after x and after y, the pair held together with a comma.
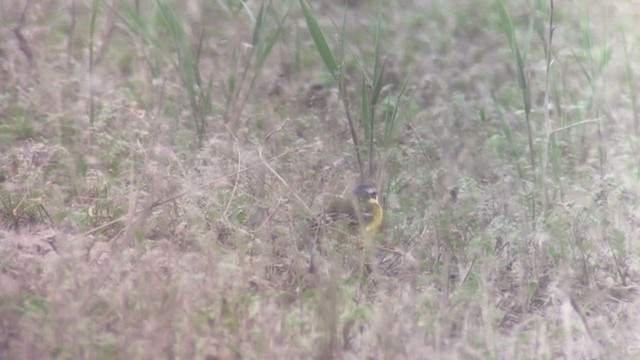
x: 364, y: 110
x: 378, y: 69
x: 265, y: 51
x: 319, y: 39
x: 392, y: 123
x: 509, y: 31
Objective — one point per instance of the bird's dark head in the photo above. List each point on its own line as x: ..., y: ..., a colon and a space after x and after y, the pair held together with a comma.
x: 365, y: 192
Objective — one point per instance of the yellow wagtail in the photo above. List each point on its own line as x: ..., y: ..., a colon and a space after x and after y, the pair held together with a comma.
x: 361, y: 211
x: 356, y: 216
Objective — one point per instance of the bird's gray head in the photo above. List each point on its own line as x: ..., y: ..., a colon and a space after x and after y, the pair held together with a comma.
x: 366, y: 192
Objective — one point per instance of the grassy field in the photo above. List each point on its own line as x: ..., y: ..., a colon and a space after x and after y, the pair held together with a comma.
x: 160, y: 162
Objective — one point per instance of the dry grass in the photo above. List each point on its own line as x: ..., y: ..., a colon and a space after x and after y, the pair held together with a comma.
x: 157, y: 173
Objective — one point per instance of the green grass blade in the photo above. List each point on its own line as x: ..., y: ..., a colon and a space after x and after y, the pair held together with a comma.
x: 364, y: 111
x: 392, y: 122
x: 509, y: 31
x: 248, y: 11
x: 138, y: 24
x: 377, y: 68
x: 258, y: 23
x: 319, y: 39
x: 266, y: 50
x: 507, y: 24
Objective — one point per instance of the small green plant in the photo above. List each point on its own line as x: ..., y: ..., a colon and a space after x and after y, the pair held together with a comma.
x: 369, y: 92
x: 22, y: 209
x: 246, y: 66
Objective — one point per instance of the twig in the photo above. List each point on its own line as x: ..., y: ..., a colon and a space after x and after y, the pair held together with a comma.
x: 466, y: 275
x: 235, y: 183
x: 285, y: 183
x: 422, y: 149
x: 576, y: 124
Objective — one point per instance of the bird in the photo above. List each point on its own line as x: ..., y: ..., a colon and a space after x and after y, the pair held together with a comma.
x: 349, y: 220
x: 359, y: 213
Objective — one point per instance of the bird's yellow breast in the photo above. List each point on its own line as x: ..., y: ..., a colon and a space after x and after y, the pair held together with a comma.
x: 376, y: 215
